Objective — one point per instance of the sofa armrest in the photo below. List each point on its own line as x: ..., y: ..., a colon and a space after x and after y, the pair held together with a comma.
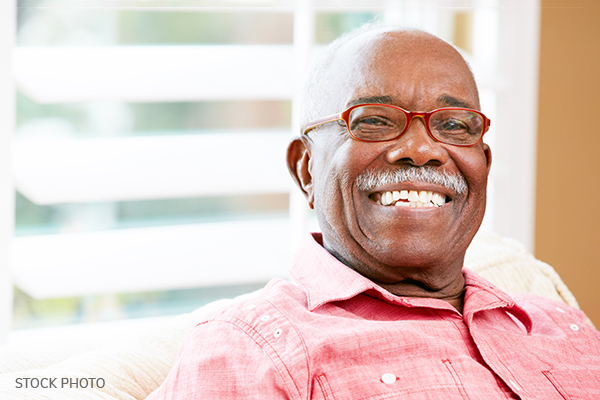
x: 129, y: 369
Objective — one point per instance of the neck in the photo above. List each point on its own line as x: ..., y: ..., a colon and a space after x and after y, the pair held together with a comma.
x: 453, y: 292
x: 443, y: 281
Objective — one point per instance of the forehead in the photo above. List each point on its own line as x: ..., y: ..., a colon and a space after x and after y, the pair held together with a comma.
x: 415, y: 70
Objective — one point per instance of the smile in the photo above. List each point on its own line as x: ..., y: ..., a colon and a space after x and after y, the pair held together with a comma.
x: 409, y: 198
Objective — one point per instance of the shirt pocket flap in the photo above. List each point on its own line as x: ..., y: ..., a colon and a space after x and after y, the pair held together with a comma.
x: 578, y: 383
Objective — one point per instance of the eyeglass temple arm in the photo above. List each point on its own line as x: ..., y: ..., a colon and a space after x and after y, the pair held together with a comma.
x: 319, y: 122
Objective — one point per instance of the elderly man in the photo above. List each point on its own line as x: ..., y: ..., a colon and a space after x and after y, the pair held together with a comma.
x: 392, y: 160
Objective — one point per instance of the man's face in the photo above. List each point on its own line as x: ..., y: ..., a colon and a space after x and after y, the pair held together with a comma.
x: 417, y: 73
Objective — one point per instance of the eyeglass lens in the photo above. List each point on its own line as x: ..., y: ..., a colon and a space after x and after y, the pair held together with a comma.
x: 378, y: 123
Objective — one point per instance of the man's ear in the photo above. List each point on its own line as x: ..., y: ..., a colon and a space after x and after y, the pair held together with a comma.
x: 299, y: 165
x: 488, y: 156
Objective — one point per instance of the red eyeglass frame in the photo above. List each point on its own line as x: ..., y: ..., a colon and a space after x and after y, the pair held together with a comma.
x: 425, y: 115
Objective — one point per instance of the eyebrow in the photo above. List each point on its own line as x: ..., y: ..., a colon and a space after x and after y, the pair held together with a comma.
x: 372, y: 99
x: 445, y: 100
x: 450, y: 101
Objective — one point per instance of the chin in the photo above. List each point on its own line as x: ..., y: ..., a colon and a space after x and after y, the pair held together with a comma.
x: 411, y: 256
x: 420, y: 251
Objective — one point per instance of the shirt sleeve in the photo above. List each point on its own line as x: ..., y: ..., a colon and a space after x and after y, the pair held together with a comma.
x: 221, y: 360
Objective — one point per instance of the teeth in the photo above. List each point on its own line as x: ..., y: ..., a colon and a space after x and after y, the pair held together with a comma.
x: 416, y: 199
x: 389, y: 198
x: 438, y: 199
x: 413, y: 195
x: 425, y: 196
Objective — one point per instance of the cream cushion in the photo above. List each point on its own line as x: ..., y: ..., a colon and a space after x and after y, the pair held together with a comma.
x: 132, y: 367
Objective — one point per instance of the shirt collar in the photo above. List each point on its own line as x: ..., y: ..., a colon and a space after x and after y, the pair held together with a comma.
x: 325, y: 279
x: 482, y: 295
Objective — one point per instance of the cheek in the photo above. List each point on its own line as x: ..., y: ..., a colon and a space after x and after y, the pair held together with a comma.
x: 328, y: 173
x: 474, y: 166
x: 336, y: 171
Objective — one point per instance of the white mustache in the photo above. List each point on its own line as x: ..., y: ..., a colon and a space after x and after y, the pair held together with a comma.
x: 369, y: 180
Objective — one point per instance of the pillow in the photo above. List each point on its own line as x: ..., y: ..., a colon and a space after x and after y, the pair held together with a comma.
x: 507, y: 264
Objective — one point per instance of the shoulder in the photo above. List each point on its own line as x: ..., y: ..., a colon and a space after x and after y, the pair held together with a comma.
x: 277, y: 297
x: 243, y: 348
x: 261, y: 329
x: 268, y: 318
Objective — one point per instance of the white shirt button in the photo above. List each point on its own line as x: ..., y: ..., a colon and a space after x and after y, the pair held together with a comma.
x: 574, y: 327
x: 277, y: 333
x: 388, y: 378
x: 265, y: 318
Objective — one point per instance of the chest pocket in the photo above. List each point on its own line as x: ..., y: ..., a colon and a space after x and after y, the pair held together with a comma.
x: 439, y: 382
x: 577, y: 384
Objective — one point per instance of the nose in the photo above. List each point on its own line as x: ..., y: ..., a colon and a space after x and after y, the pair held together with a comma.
x: 416, y: 147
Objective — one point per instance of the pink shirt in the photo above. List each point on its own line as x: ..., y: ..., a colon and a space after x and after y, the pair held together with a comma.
x: 337, y: 335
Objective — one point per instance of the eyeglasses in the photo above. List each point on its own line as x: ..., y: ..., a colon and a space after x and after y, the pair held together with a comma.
x: 383, y: 122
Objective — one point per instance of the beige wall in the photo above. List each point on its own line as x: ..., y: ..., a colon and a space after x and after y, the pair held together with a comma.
x: 568, y: 166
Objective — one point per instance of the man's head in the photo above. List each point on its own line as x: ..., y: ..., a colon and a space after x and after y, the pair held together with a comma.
x: 347, y: 180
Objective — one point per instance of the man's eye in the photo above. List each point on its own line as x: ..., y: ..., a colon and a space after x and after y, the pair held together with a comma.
x: 372, y: 121
x: 452, y: 125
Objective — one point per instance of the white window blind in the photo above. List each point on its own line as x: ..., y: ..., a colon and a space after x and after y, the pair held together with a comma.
x: 62, y: 169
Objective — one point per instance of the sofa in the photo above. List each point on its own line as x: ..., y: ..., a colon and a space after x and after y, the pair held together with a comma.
x: 135, y: 363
